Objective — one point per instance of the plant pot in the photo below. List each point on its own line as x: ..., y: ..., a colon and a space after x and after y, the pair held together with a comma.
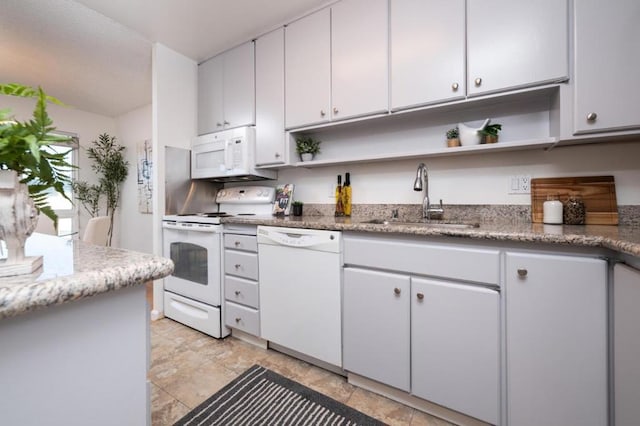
x: 306, y: 156
x: 453, y: 142
x: 296, y: 209
x: 490, y: 138
x: 18, y: 219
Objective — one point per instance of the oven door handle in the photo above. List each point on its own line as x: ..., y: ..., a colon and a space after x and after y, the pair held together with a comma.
x: 196, y: 227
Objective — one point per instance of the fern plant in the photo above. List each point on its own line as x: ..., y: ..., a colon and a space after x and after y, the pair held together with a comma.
x: 25, y: 147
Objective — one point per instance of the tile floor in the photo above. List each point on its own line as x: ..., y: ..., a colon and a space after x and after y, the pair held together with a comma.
x: 187, y: 367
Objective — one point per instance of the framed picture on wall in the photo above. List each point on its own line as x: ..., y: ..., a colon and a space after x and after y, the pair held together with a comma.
x: 284, y: 197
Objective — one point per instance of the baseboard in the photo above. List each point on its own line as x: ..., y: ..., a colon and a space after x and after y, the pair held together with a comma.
x: 414, y: 402
x: 249, y: 338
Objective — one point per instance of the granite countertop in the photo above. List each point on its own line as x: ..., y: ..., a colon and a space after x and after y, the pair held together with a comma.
x: 74, y: 270
x: 624, y: 239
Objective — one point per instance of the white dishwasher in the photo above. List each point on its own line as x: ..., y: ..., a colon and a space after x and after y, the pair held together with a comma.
x: 300, y: 288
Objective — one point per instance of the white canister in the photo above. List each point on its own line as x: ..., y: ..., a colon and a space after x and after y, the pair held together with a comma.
x: 552, y: 211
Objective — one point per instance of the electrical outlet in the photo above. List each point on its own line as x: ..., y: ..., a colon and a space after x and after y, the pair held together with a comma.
x: 520, y: 184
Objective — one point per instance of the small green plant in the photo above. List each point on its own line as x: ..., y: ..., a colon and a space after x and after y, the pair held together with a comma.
x: 491, y: 130
x: 297, y: 203
x: 453, y: 133
x: 307, y: 145
x: 26, y: 148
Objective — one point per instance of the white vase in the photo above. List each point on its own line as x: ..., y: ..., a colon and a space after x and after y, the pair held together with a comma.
x: 306, y: 156
x: 18, y: 219
x: 471, y: 135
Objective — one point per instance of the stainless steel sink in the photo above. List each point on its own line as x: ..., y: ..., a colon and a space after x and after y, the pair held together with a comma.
x: 423, y: 223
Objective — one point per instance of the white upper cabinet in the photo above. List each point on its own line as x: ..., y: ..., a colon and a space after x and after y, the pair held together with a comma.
x: 226, y: 90
x: 270, y: 136
x: 308, y: 70
x: 336, y: 63
x: 359, y: 58
x: 516, y: 43
x: 607, y: 65
x: 427, y: 52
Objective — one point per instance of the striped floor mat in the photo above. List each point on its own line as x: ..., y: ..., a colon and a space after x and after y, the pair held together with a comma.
x: 261, y: 397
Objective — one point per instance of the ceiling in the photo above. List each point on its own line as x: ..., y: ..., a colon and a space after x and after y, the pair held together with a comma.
x: 95, y: 55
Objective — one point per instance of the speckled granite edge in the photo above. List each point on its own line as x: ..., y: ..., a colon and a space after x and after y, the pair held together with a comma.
x: 624, y: 239
x: 99, y: 270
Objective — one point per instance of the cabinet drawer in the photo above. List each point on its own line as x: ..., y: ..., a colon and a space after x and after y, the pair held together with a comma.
x: 241, y: 242
x: 241, y: 291
x: 202, y: 317
x: 242, y: 318
x: 241, y: 264
x: 436, y: 260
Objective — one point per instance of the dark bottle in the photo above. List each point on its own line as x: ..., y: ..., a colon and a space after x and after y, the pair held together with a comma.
x: 346, y: 195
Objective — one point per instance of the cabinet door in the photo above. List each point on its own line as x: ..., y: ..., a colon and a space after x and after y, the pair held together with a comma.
x: 376, y: 326
x: 210, y: 96
x: 626, y: 344
x: 455, y: 347
x: 607, y: 65
x: 516, y: 43
x: 239, y: 86
x: 556, y: 321
x: 308, y: 70
x: 359, y: 58
x: 270, y: 137
x: 427, y: 52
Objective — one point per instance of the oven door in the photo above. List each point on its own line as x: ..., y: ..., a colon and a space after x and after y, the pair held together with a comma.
x: 195, y: 250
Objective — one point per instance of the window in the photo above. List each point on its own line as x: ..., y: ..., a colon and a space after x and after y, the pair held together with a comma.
x: 67, y: 211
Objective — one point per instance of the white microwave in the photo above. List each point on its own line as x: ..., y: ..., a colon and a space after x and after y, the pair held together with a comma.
x: 227, y: 156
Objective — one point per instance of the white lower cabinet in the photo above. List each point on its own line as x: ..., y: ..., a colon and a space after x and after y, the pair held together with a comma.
x: 556, y: 340
x: 437, y: 339
x: 376, y: 328
x: 626, y: 345
x: 455, y: 347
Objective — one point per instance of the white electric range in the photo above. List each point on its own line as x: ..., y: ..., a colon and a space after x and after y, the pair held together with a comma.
x: 193, y: 293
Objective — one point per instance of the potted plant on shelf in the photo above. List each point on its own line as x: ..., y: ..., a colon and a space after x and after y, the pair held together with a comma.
x: 490, y: 133
x: 453, y: 137
x: 307, y: 147
x: 297, y: 208
x: 29, y: 170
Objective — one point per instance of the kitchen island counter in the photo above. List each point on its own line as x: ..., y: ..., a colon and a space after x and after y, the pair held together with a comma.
x: 75, y: 270
x: 623, y: 239
x: 84, y: 362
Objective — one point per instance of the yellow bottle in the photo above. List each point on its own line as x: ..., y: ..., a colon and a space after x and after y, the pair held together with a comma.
x: 346, y: 195
x: 339, y: 205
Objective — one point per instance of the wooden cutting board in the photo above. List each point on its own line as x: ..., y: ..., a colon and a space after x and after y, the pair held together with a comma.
x: 597, y: 192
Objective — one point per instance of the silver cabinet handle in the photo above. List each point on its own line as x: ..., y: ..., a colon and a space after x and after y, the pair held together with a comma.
x: 397, y: 291
x: 335, y: 110
x: 238, y: 319
x: 237, y: 243
x: 226, y: 122
x: 478, y: 81
x: 591, y: 117
x: 219, y: 124
x: 322, y: 113
x: 420, y: 296
x: 455, y: 86
x: 237, y: 265
x: 522, y: 272
x: 237, y: 292
x: 277, y: 155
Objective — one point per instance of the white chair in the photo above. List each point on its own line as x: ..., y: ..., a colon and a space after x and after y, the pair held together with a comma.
x: 97, y: 231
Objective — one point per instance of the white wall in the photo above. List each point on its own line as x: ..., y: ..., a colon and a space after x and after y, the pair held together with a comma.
x: 174, y: 115
x: 85, y: 124
x: 473, y: 179
x: 134, y: 228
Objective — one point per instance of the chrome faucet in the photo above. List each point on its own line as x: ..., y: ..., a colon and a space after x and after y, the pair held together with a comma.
x: 422, y: 181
